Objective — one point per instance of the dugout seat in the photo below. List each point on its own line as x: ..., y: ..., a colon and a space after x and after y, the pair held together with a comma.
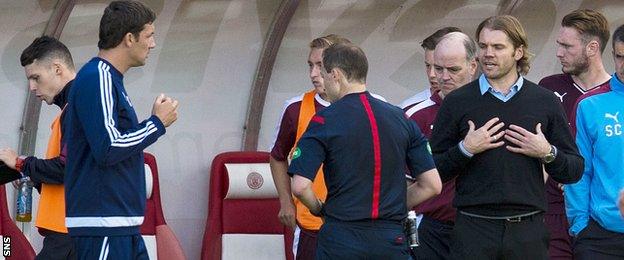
x: 159, y: 239
x: 20, y: 247
x: 242, y: 211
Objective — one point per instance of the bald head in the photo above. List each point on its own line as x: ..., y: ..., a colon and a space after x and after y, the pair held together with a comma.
x: 454, y: 61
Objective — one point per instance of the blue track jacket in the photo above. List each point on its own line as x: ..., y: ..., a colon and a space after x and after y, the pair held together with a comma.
x: 105, y: 176
x: 600, y: 139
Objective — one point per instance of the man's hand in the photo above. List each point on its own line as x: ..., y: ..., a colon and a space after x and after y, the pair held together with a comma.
x: 529, y: 144
x: 485, y: 137
x: 287, y: 213
x: 166, y: 109
x: 9, y: 157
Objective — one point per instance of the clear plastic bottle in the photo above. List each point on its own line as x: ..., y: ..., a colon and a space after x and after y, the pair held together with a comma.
x: 411, y: 229
x: 24, y: 200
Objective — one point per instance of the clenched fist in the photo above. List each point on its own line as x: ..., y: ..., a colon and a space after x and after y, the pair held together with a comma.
x: 166, y: 109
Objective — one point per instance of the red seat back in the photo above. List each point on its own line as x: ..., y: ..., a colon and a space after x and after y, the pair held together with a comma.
x: 166, y: 244
x: 20, y: 247
x: 240, y: 215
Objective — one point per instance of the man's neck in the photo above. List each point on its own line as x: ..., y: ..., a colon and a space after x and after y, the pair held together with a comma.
x: 594, y: 76
x: 353, y: 88
x: 440, y: 94
x: 323, y: 96
x: 116, y: 58
x: 504, y: 84
x: 69, y: 76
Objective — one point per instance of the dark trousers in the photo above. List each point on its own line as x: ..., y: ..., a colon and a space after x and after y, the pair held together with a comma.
x: 306, y: 248
x: 479, y: 238
x: 595, y: 242
x: 361, y: 240
x: 560, y: 247
x: 56, y: 246
x: 435, y: 240
x: 112, y: 247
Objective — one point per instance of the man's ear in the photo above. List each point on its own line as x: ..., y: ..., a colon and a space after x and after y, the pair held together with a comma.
x: 57, y: 67
x: 473, y: 66
x: 337, y: 74
x: 592, y: 48
x: 519, y: 53
x: 129, y: 39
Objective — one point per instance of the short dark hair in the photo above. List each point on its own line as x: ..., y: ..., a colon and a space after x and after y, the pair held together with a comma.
x: 121, y: 18
x: 327, y: 40
x: 348, y: 58
x: 618, y: 35
x: 430, y: 42
x: 588, y: 23
x: 46, y: 47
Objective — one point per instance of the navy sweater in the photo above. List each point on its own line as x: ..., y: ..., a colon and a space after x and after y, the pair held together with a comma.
x: 498, y: 182
x: 105, y: 177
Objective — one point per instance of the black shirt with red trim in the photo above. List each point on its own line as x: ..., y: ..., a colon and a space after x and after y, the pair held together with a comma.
x: 364, y: 144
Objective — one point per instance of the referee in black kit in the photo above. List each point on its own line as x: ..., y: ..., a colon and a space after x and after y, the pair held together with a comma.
x: 364, y: 145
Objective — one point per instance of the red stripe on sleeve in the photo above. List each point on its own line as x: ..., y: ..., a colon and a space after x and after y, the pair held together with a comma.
x: 318, y: 119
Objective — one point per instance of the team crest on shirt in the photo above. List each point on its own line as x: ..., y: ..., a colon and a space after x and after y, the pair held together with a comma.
x: 615, y: 128
x: 296, y: 153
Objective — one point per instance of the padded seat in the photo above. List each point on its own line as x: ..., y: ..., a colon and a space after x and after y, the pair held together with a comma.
x: 159, y: 239
x: 242, y: 211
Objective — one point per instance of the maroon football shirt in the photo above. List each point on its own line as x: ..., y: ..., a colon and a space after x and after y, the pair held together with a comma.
x: 568, y: 92
x: 439, y: 207
x: 287, y: 126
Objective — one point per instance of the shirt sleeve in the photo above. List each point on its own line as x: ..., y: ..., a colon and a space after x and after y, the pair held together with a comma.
x: 419, y: 157
x: 310, y: 151
x: 568, y: 165
x: 49, y: 171
x: 445, y: 138
x: 95, y: 101
x: 577, y: 195
x: 286, y: 134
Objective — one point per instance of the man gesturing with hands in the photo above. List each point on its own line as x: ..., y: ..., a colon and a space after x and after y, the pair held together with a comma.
x: 495, y: 135
x: 105, y: 175
x: 166, y: 109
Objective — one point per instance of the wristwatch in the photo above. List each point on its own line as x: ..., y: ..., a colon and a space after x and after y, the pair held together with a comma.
x: 550, y: 157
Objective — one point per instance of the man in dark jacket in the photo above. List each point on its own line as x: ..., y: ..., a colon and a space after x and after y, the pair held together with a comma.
x: 50, y: 72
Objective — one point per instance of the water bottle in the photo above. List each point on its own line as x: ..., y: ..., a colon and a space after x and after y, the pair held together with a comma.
x: 24, y: 200
x: 411, y: 230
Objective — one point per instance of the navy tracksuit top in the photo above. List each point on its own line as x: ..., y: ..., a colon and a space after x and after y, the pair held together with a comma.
x: 105, y: 175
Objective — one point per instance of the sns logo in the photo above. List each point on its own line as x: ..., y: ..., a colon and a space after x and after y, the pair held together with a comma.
x: 613, y: 129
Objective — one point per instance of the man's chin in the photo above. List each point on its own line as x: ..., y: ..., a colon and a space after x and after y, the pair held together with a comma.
x: 319, y: 89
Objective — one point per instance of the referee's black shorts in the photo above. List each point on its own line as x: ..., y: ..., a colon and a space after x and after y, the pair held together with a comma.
x: 361, y: 240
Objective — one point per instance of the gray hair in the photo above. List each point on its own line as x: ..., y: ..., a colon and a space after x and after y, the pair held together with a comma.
x: 469, y: 44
